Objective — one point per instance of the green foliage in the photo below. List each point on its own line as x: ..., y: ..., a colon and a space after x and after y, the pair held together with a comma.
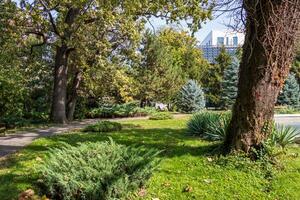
x: 190, y: 98
x: 186, y: 161
x: 209, y: 125
x: 296, y: 65
x: 217, y: 129
x: 199, y: 122
x: 169, y: 59
x: 161, y: 116
x: 104, y: 170
x: 101, y: 43
x: 283, y: 136
x: 229, y: 84
x: 120, y: 110
x: 213, y: 78
x: 290, y: 94
x: 103, y: 126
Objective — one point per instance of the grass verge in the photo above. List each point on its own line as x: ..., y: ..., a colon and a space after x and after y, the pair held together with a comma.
x: 190, y: 167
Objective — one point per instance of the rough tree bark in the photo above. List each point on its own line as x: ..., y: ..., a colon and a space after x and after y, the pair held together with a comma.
x: 73, y: 95
x: 272, y: 28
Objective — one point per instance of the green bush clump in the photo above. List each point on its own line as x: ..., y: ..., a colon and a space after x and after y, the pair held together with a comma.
x: 96, y: 171
x: 209, y: 125
x: 103, y: 126
x: 199, y: 122
x: 120, y: 110
x: 217, y: 130
x: 161, y: 116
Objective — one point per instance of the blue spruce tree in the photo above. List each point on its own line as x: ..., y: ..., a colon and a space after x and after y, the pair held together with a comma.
x: 229, y: 84
x: 290, y: 94
x: 190, y: 98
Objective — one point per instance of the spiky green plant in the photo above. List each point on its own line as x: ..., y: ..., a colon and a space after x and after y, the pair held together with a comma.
x: 217, y: 130
x: 102, y: 170
x: 199, y: 122
x: 283, y: 135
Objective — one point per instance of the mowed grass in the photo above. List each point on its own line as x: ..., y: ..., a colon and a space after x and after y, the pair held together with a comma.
x: 190, y: 169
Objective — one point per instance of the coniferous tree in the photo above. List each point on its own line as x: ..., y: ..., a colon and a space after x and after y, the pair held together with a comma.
x: 229, y: 84
x: 190, y: 97
x: 290, y: 94
x: 213, y: 78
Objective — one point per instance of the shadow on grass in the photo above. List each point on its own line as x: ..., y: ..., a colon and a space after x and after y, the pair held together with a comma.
x: 172, y: 143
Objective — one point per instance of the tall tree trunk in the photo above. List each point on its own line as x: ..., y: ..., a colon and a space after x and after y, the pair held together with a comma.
x: 272, y: 28
x: 73, y: 95
x: 58, y: 109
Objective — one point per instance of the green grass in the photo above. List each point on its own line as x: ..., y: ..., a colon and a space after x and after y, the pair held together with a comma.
x: 190, y: 167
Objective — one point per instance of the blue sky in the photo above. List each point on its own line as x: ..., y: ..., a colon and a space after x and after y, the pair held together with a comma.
x: 215, y: 24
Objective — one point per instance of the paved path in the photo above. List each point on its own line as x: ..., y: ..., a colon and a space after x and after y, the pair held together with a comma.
x: 12, y: 143
x: 288, y: 120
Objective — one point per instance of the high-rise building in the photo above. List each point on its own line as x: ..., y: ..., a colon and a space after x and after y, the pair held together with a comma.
x: 215, y: 40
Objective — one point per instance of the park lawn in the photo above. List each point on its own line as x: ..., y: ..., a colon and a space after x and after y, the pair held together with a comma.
x: 190, y: 167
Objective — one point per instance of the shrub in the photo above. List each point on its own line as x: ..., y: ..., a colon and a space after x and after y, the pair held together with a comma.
x: 120, y: 110
x: 190, y: 98
x: 283, y: 135
x: 103, y: 126
x: 209, y: 125
x: 217, y: 129
x: 199, y: 122
x: 290, y: 94
x: 103, y: 170
x: 160, y: 116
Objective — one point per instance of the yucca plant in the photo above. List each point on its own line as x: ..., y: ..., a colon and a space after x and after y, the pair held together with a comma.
x: 217, y: 129
x: 283, y: 135
x: 199, y: 123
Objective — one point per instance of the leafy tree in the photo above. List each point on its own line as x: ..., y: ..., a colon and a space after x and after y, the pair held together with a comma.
x: 12, y: 80
x: 290, y: 94
x: 169, y: 59
x: 68, y: 26
x: 213, y: 79
x: 229, y: 84
x: 191, y: 97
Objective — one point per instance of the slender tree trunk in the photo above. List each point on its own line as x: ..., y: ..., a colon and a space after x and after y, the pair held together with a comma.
x: 58, y: 109
x: 73, y: 95
x: 271, y: 31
